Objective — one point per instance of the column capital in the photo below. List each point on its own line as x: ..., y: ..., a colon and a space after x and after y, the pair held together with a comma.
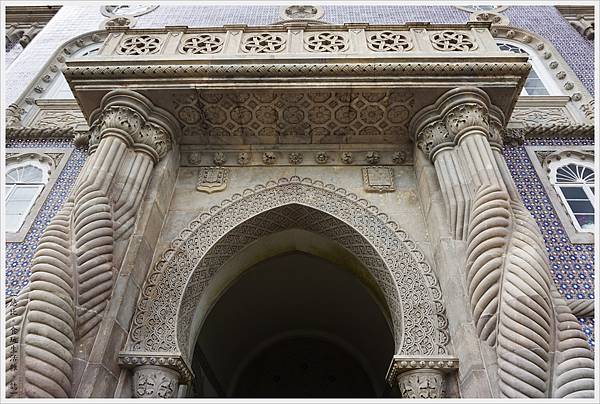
x: 135, y: 119
x: 168, y: 360
x: 455, y: 113
x: 421, y: 376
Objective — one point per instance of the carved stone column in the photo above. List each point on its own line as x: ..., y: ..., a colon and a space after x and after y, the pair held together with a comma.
x: 150, y: 381
x: 508, y: 277
x: 421, y: 377
x: 74, y: 265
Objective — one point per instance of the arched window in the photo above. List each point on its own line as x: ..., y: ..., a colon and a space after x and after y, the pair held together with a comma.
x: 60, y: 89
x: 536, y: 83
x: 24, y: 183
x: 574, y: 182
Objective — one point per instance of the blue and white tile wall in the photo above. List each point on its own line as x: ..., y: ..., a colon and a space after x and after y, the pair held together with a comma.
x: 19, y: 255
x: 572, y: 265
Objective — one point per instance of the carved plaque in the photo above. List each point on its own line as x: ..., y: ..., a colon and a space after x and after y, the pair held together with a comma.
x: 378, y: 179
x: 212, y: 179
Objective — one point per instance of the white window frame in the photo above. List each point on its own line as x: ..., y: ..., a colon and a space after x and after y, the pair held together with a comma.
x: 540, y: 69
x: 45, y: 169
x: 56, y: 158
x: 554, y: 166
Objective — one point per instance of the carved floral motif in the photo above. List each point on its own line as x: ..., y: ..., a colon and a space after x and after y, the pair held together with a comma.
x: 155, y: 382
x: 422, y: 384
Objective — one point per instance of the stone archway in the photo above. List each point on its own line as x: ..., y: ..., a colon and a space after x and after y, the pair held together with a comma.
x: 160, y: 333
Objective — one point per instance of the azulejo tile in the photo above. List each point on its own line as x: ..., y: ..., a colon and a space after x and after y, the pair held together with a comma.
x: 19, y: 255
x: 571, y: 265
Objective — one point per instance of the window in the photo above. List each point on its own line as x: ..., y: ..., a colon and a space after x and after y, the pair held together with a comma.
x: 60, y: 89
x: 24, y: 183
x: 534, y: 85
x: 574, y: 183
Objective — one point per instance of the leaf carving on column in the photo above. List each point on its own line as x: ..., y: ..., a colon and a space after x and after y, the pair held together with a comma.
x: 46, y: 333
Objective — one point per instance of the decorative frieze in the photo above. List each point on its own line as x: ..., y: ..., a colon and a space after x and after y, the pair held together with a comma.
x: 308, y: 156
x: 541, y: 116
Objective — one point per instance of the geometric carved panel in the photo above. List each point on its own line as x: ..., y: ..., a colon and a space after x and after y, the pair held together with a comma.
x: 271, y: 116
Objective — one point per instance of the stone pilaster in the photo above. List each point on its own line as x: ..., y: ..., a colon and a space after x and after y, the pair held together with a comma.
x: 421, y: 377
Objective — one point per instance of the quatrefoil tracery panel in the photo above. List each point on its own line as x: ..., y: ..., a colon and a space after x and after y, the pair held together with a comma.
x: 388, y: 41
x: 202, y: 44
x: 326, y: 42
x: 140, y: 45
x: 452, y: 41
x: 264, y: 43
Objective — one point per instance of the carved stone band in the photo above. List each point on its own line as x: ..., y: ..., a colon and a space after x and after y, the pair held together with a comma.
x: 133, y: 118
x: 421, y: 377
x: 455, y: 114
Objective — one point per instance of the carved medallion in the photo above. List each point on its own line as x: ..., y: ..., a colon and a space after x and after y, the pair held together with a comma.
x: 378, y: 179
x: 212, y: 179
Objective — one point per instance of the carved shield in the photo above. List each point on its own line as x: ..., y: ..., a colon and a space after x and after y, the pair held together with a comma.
x: 212, y: 179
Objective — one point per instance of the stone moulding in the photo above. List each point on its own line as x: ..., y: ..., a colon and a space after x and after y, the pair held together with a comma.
x: 76, y: 70
x: 175, y: 284
x: 51, y: 69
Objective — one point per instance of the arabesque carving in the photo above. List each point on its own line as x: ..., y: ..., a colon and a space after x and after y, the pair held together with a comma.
x: 407, y: 282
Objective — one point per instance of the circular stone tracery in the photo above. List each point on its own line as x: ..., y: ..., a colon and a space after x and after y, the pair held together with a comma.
x: 406, y: 280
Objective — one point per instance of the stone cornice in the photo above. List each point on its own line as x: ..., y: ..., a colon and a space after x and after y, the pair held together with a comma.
x: 553, y: 130
x: 397, y: 69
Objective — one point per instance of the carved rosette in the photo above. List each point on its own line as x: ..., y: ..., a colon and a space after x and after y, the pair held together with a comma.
x: 151, y: 381
x: 421, y: 377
